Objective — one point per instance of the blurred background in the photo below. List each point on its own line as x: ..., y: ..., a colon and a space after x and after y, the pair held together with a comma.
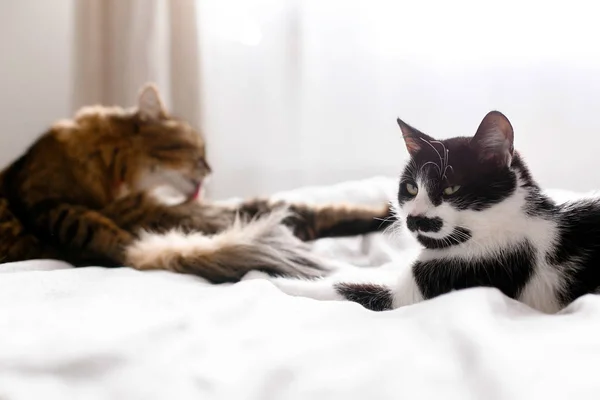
x: 306, y: 92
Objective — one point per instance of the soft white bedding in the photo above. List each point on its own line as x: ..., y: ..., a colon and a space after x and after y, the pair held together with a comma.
x: 95, y: 333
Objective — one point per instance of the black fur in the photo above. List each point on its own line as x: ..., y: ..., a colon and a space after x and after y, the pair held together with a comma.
x: 474, y: 177
x: 424, y: 224
x: 579, y: 244
x: 509, y: 272
x: 538, y: 204
x: 370, y: 296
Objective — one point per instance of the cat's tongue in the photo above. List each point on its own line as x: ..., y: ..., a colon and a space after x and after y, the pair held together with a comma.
x: 196, y: 194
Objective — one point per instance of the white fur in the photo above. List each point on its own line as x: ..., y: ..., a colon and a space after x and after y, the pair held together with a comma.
x: 318, y: 289
x: 176, y: 179
x: 160, y: 251
x: 323, y: 288
x: 420, y: 205
x: 406, y: 291
x: 263, y: 242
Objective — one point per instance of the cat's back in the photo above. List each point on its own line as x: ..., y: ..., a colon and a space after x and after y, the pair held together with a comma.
x: 39, y: 162
x: 16, y: 181
x: 577, y: 248
x: 67, y: 144
x: 59, y: 166
x: 579, y: 224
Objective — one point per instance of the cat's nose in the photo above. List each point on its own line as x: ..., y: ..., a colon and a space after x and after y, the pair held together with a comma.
x: 424, y: 224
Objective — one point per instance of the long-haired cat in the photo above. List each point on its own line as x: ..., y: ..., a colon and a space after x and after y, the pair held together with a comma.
x: 482, y: 220
x: 83, y: 193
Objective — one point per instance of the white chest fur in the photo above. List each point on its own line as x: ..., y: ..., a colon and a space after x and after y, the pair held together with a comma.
x: 501, y: 228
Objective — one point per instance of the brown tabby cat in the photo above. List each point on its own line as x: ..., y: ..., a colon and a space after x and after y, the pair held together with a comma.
x: 83, y: 193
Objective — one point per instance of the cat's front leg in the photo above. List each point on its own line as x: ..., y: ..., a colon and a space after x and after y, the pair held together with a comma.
x: 310, y: 222
x: 338, y: 220
x: 373, y: 289
x: 80, y: 233
x: 318, y: 289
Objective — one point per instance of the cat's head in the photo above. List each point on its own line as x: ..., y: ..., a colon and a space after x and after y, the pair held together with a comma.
x: 447, y: 181
x: 145, y: 147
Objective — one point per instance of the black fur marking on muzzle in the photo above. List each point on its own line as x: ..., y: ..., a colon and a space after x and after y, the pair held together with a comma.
x: 424, y: 224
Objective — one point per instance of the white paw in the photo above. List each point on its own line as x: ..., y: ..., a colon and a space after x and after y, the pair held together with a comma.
x: 256, y: 275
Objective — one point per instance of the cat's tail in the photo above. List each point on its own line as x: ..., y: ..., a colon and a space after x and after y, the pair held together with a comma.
x: 264, y: 244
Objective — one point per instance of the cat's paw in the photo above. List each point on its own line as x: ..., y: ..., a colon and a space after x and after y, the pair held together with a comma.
x: 252, y: 275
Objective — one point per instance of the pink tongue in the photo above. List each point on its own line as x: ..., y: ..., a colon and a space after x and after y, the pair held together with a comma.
x: 197, y: 192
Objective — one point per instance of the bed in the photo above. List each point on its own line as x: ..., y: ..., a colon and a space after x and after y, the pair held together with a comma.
x: 95, y: 333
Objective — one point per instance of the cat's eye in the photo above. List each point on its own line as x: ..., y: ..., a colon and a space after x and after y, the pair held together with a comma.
x: 451, y: 190
x: 411, y: 189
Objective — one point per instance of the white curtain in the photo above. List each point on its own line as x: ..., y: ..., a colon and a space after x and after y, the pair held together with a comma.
x: 302, y: 92
x: 121, y: 44
x: 307, y: 91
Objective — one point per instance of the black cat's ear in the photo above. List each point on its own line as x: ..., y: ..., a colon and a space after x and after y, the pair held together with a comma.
x: 494, y: 139
x: 413, y: 138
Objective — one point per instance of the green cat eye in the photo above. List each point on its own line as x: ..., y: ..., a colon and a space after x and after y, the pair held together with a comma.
x: 451, y: 190
x: 411, y: 189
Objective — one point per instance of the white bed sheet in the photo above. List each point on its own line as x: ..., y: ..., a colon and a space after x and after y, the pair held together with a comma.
x: 94, y: 333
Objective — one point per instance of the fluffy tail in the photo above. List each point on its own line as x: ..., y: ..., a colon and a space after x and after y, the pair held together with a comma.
x: 264, y: 244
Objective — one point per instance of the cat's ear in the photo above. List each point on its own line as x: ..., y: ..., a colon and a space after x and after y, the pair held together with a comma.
x: 494, y: 139
x: 150, y: 105
x: 413, y: 138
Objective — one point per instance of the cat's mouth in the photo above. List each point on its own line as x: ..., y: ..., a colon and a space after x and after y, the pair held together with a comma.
x: 180, y: 191
x: 197, y: 192
x: 191, y: 188
x: 458, y: 236
x: 186, y: 189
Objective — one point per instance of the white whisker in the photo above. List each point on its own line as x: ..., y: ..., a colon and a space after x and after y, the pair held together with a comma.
x: 431, y: 162
x: 437, y: 152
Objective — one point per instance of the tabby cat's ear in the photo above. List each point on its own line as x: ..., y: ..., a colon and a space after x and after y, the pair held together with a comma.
x: 150, y: 105
x: 413, y: 138
x: 494, y: 139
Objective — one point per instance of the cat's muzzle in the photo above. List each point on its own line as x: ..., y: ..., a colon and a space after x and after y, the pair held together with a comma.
x: 424, y: 224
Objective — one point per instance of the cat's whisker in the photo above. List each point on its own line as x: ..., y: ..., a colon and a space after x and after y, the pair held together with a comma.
x: 448, y: 240
x: 394, y: 230
x: 472, y: 241
x: 411, y: 165
x: 445, y: 158
x: 447, y: 166
x: 437, y: 152
x: 430, y: 162
x: 384, y: 220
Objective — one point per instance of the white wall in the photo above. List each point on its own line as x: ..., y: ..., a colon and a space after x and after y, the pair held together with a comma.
x: 308, y: 92
x: 35, y: 70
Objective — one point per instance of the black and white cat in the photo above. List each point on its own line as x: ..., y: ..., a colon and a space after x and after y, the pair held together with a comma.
x: 482, y: 221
